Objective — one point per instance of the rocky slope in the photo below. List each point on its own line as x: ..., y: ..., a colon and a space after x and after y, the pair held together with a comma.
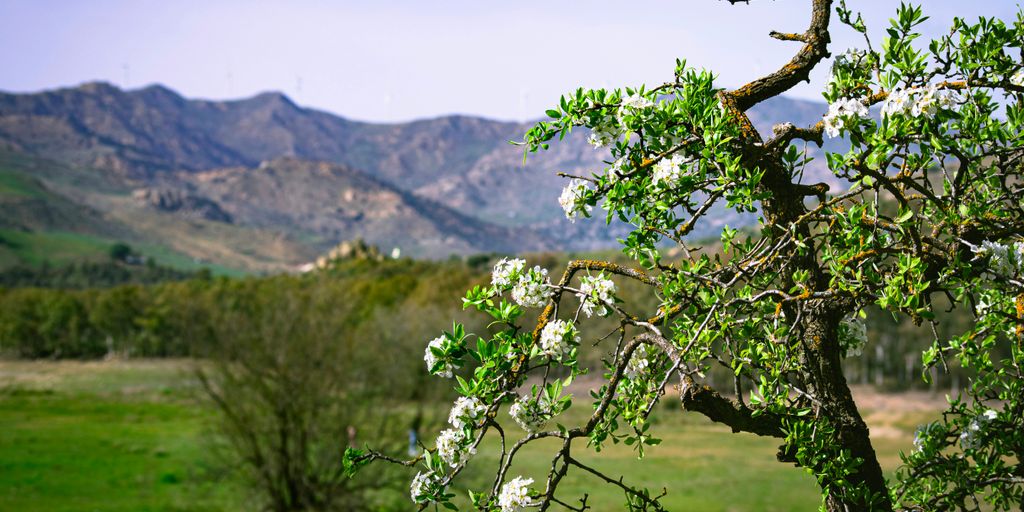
x: 332, y: 202
x: 458, y: 173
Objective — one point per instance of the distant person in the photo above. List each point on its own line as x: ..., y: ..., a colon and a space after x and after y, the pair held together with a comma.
x: 414, y: 437
x: 352, y: 436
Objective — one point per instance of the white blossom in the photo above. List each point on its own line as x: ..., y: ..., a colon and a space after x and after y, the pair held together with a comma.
x: 506, y: 271
x: 452, y: 447
x: 533, y: 288
x: 423, y: 483
x: 603, y: 135
x: 919, y: 437
x: 632, y: 104
x: 1018, y: 78
x: 639, y: 363
x: 572, y: 199
x: 970, y: 437
x: 431, y: 359
x: 466, y: 411
x: 667, y: 171
x: 899, y: 101
x: 594, y: 293
x: 842, y: 113
x: 530, y: 414
x: 851, y: 58
x: 1002, y: 261
x: 557, y: 338
x: 617, y: 170
x: 983, y: 306
x: 515, y: 495
x: 932, y: 100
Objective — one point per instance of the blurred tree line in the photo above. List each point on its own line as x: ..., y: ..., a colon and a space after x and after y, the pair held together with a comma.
x: 394, y: 305
x: 92, y: 275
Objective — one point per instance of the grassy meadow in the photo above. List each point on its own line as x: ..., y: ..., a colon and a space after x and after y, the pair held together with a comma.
x: 131, y: 436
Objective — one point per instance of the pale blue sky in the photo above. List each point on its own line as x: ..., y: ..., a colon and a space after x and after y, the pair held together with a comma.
x: 392, y: 60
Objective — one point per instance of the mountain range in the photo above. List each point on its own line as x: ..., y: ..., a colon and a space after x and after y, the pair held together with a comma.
x: 264, y: 184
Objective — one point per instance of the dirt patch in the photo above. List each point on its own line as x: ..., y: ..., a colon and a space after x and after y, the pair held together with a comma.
x: 60, y: 375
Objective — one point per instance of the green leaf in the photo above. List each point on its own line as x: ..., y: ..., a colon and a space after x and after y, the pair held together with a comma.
x: 904, y: 216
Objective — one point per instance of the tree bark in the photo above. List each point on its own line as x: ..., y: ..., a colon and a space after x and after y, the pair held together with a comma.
x: 782, y: 208
x: 823, y: 364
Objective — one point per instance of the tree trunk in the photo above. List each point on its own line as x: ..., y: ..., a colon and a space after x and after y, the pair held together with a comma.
x: 828, y: 385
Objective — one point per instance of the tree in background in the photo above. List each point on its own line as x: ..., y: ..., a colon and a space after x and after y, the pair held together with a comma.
x: 292, y: 395
x: 932, y: 219
x: 121, y: 252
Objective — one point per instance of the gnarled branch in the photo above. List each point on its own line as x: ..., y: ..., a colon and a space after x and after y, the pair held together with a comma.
x: 734, y: 414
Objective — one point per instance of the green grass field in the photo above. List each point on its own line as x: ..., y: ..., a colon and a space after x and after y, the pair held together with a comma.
x: 56, y: 247
x: 60, y: 247
x: 129, y: 436
x: 17, y: 185
x: 105, y: 437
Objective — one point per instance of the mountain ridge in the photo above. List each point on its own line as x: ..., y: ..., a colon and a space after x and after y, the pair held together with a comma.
x: 153, y: 136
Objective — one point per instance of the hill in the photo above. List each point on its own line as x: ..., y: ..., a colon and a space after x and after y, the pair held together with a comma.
x: 184, y: 158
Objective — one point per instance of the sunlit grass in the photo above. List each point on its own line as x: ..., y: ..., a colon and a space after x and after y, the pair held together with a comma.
x: 129, y: 435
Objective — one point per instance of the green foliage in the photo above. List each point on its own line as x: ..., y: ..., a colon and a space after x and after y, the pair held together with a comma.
x: 91, y: 275
x: 121, y: 251
x: 293, y: 392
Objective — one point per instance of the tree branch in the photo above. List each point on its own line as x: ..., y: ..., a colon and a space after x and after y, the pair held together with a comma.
x: 719, y: 409
x: 798, y: 69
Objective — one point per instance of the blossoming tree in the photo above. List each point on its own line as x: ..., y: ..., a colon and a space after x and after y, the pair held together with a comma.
x: 931, y: 217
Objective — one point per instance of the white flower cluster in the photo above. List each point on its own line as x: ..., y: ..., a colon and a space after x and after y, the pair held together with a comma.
x: 919, y: 437
x: 984, y: 304
x: 533, y: 288
x: 1003, y: 260
x: 855, y: 335
x: 594, y: 293
x: 932, y: 100
x: 506, y: 272
x: 617, y: 170
x: 640, y: 363
x: 970, y: 437
x: 530, y: 287
x: 609, y: 129
x: 1018, y: 78
x: 467, y: 411
x: 850, y: 58
x: 424, y: 483
x: 633, y: 104
x: 452, y: 446
x: 844, y: 113
x: 530, y: 414
x: 668, y: 171
x: 431, y: 359
x: 572, y: 199
x: 515, y: 495
x: 898, y: 102
x: 603, y: 135
x: 918, y: 102
x: 557, y: 338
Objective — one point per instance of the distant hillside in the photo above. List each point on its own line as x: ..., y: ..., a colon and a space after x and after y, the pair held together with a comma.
x: 57, y: 213
x: 335, y: 202
x: 172, y: 151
